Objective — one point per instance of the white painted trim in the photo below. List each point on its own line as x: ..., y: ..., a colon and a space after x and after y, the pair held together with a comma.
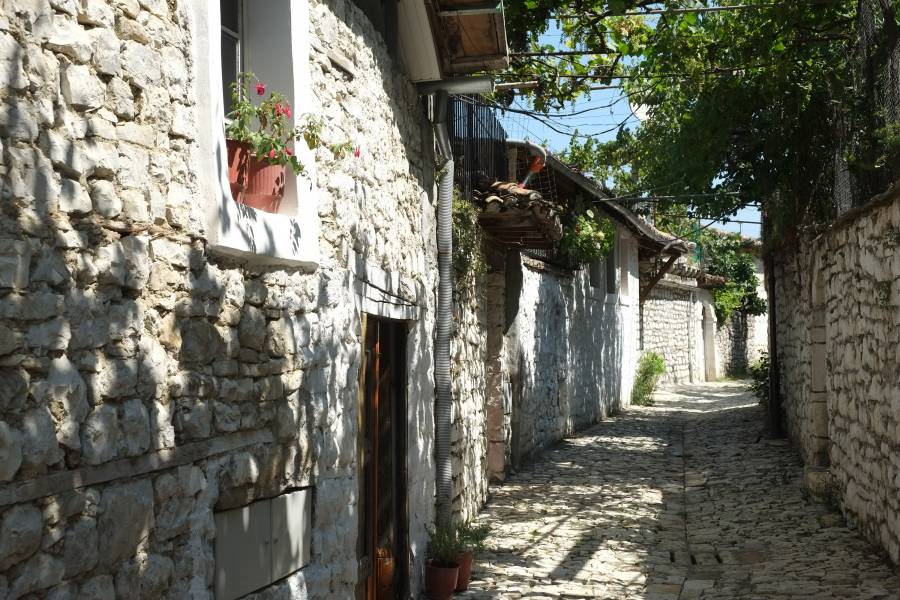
x: 233, y: 229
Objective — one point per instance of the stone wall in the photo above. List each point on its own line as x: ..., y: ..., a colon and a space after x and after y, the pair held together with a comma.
x: 567, y: 355
x: 742, y: 339
x: 146, y: 384
x: 837, y: 300
x: 469, y: 362
x: 672, y: 326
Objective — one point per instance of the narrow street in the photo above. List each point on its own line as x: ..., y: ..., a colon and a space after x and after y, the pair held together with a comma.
x: 677, y: 501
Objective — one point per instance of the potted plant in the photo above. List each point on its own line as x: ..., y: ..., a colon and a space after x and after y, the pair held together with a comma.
x: 442, y: 568
x: 471, y: 540
x: 259, y: 139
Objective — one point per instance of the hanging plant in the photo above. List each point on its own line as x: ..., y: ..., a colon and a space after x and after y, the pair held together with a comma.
x: 589, y: 237
x: 267, y: 128
x: 468, y: 257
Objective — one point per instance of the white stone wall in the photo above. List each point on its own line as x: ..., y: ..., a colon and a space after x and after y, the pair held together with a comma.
x: 742, y: 339
x: 838, y: 306
x: 146, y: 383
x: 570, y: 354
x: 468, y: 373
x: 672, y: 326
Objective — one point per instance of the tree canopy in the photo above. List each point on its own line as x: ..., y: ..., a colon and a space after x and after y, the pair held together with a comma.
x: 741, y: 105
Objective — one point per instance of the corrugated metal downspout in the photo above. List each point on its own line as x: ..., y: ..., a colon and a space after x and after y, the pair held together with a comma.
x: 443, y: 391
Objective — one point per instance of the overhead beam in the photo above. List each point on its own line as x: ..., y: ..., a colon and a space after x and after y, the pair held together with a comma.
x: 480, y: 8
x: 645, y: 292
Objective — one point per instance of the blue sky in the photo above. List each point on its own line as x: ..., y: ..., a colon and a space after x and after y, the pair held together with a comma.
x: 605, y: 110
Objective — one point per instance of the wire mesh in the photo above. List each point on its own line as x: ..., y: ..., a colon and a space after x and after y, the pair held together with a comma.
x: 877, y: 106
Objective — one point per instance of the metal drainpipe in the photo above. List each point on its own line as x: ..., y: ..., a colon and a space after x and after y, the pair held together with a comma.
x: 539, y: 161
x: 443, y: 391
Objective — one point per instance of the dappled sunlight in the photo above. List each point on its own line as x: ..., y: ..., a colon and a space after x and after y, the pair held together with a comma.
x: 684, y: 499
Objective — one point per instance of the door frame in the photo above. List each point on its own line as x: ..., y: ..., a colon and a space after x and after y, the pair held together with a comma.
x: 397, y: 338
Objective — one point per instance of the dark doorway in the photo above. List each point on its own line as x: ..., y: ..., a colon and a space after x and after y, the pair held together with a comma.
x: 383, y: 547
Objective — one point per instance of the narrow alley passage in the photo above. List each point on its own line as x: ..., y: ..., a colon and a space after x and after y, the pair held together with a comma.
x: 677, y: 501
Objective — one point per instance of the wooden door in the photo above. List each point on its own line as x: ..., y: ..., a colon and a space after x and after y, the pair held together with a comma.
x: 382, y: 459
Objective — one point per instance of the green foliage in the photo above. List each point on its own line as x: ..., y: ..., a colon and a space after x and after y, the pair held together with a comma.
x: 725, y: 256
x: 444, y: 545
x: 587, y: 237
x: 472, y: 536
x: 759, y: 373
x: 741, y: 104
x: 268, y: 126
x: 650, y: 368
x: 468, y: 257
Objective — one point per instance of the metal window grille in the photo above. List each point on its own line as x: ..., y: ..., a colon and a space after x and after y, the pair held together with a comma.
x: 479, y: 145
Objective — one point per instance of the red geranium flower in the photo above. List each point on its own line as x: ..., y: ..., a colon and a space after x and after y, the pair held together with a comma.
x: 289, y: 152
x: 272, y: 153
x: 260, y: 88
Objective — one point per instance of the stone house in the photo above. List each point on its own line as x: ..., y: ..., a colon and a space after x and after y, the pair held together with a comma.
x: 195, y: 395
x: 836, y: 337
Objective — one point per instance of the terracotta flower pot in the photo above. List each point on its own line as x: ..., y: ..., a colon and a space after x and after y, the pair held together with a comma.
x: 465, y: 560
x: 384, y: 573
x: 254, y: 182
x: 440, y: 581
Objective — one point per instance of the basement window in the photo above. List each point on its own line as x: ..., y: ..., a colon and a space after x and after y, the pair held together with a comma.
x: 261, y: 543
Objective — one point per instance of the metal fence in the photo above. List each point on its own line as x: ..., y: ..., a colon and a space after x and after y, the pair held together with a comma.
x: 861, y: 168
x: 479, y: 144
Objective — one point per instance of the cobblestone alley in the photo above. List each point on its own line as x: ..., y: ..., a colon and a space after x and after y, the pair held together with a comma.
x: 678, y: 501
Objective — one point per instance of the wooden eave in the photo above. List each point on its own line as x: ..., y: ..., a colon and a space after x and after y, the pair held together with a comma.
x: 470, y: 34
x: 649, y: 238
x: 518, y: 218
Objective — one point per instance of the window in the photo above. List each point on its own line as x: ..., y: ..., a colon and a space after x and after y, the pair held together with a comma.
x: 272, y: 40
x: 232, y: 57
x: 624, y: 252
x: 595, y: 272
x: 611, y: 262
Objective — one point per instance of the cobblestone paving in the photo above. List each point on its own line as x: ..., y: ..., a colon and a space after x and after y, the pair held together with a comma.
x: 680, y: 501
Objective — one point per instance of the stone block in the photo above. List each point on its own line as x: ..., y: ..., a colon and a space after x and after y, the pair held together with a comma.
x: 18, y: 120
x: 81, y: 88
x: 105, y: 58
x: 15, y: 259
x: 126, y: 518
x: 252, y: 328
x: 200, y: 342
x: 12, y: 75
x: 80, y: 549
x: 10, y: 452
x: 193, y: 418
x: 39, y: 573
x: 100, y: 435
x: 69, y: 38
x: 141, y: 64
x: 106, y: 201
x: 73, y: 198
x: 39, y: 448
x: 135, y: 426
x: 173, y: 253
x: 97, y: 13
x: 20, y: 534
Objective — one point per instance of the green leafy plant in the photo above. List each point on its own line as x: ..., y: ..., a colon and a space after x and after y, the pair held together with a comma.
x: 588, y: 237
x: 444, y: 545
x: 651, y: 367
x: 468, y: 256
x: 472, y: 536
x: 759, y: 375
x: 267, y: 127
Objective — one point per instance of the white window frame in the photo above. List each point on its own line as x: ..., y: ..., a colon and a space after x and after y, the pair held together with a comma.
x: 292, y: 237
